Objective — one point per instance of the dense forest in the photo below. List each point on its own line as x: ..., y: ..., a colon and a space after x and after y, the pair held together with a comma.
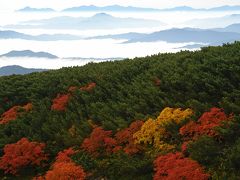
x: 164, y: 117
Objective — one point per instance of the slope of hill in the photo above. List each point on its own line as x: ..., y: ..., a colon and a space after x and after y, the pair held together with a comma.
x: 29, y: 53
x: 10, y: 70
x: 102, y: 120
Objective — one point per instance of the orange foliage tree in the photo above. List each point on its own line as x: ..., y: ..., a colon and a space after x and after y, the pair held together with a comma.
x: 175, y: 166
x: 22, y: 154
x: 88, y: 87
x: 205, y: 125
x: 100, y: 142
x: 28, y: 107
x: 65, y: 156
x: 13, y: 113
x: 125, y: 138
x: 60, y: 102
x: 64, y: 169
x: 72, y: 88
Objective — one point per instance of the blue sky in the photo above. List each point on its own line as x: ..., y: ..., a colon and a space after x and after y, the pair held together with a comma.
x: 10, y: 5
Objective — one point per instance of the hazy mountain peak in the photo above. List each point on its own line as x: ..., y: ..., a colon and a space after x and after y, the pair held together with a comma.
x: 186, y: 8
x: 102, y: 15
x: 108, y: 8
x: 30, y: 9
x: 15, y: 69
x: 29, y: 53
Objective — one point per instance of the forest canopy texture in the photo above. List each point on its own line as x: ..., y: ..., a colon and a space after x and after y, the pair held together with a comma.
x: 163, y: 117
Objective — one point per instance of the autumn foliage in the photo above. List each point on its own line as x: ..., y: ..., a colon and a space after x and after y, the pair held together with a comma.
x: 88, y: 87
x: 60, y: 102
x: 100, y: 142
x: 64, y: 169
x: 205, y: 125
x: 153, y: 131
x: 72, y: 88
x: 22, y: 154
x: 64, y: 156
x: 126, y: 140
x: 175, y: 166
x: 13, y: 113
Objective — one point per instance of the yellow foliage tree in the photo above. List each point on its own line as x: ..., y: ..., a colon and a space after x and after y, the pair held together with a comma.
x: 176, y: 115
x: 153, y: 132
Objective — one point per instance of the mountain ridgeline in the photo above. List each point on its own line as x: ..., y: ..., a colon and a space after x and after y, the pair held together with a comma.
x: 28, y: 53
x: 117, y: 8
x: 104, y: 118
x: 10, y: 70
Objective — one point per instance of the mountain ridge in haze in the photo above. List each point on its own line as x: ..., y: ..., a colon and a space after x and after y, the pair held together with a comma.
x: 17, y: 70
x: 177, y: 35
x: 9, y: 34
x: 30, y: 9
x: 97, y: 21
x: 142, y: 9
x: 87, y: 8
x: 230, y: 28
x: 29, y: 53
x: 107, y: 8
x: 214, y: 22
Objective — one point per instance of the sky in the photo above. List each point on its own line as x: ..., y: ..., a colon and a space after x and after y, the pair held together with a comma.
x: 11, y: 5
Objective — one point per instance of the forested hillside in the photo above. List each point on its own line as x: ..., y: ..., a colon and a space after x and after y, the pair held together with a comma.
x: 166, y: 116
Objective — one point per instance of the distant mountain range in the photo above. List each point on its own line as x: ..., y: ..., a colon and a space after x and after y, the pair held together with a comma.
x: 98, y: 21
x: 118, y: 8
x: 230, y: 28
x: 10, y: 70
x: 215, y: 22
x: 131, y: 35
x: 107, y: 8
x: 30, y: 9
x: 28, y: 53
x: 42, y: 37
x: 187, y: 8
x: 192, y: 46
x: 176, y: 35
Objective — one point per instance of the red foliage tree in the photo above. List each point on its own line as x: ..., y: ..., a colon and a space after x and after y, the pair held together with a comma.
x: 205, y: 125
x: 64, y: 156
x: 63, y: 168
x: 88, y: 87
x: 22, y: 154
x: 184, y: 148
x: 13, y: 113
x: 99, y: 142
x: 126, y: 140
x: 60, y: 102
x: 175, y: 166
x: 9, y: 115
